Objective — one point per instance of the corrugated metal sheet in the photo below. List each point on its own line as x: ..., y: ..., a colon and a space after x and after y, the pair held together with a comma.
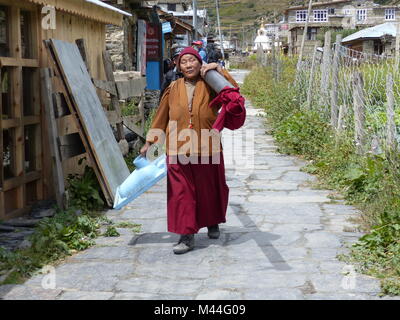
x: 373, y: 32
x: 84, y: 8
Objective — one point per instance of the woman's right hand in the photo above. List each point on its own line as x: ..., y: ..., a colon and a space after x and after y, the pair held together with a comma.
x: 144, y: 149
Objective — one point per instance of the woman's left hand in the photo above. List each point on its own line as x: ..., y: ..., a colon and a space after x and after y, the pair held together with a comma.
x: 210, y: 66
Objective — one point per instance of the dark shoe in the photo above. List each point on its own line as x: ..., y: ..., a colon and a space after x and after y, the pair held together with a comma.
x: 185, y: 244
x: 213, y: 232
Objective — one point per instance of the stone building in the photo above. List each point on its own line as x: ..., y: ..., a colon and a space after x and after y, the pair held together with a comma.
x: 335, y: 16
x: 378, y: 40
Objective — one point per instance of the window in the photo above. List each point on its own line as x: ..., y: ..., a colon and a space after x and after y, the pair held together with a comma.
x: 312, y: 34
x: 390, y: 14
x: 331, y: 11
x: 361, y: 14
x: 301, y: 15
x: 320, y: 15
x: 171, y: 6
x: 347, y: 12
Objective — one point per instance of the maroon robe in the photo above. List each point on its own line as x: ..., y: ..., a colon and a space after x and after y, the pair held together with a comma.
x: 197, y: 195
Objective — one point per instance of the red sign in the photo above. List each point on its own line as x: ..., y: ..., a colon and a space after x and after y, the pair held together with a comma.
x: 152, y: 41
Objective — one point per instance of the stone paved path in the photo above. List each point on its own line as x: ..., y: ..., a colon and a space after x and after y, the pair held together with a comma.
x: 280, y: 242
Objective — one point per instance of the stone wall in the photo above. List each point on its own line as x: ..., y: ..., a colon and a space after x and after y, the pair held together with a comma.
x: 152, y: 98
x: 115, y: 45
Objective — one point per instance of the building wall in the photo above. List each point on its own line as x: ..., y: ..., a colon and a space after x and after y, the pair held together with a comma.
x: 27, y: 185
x: 345, y: 15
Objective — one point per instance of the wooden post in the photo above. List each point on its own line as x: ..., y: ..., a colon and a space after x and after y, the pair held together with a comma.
x: 81, y: 43
x: 397, y: 48
x: 290, y: 43
x: 278, y: 68
x: 390, y: 123
x: 359, y: 112
x: 304, y: 36
x: 341, y: 117
x: 109, y: 69
x: 47, y: 97
x: 326, y: 70
x: 335, y: 83
x: 273, y: 62
x: 311, y: 79
x: 259, y: 54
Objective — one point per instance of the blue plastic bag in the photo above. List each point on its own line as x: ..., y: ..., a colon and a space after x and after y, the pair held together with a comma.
x: 146, y: 174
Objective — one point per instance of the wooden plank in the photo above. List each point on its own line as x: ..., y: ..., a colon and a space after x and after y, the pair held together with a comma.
x: 16, y: 182
x: 16, y: 94
x: 112, y: 117
x: 91, y: 114
x: 18, y: 62
x: 106, y: 86
x: 109, y: 69
x: 61, y: 85
x: 29, y: 120
x: 130, y: 122
x: 130, y: 88
x: 58, y: 176
x: 70, y: 146
x: 60, y: 105
x: 11, y: 123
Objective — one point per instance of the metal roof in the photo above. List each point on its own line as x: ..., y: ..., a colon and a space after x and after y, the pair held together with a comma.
x: 107, y: 6
x: 373, y: 32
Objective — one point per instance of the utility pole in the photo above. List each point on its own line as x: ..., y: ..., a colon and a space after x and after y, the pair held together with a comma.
x: 230, y: 36
x: 195, y: 19
x: 219, y: 29
x: 242, y: 37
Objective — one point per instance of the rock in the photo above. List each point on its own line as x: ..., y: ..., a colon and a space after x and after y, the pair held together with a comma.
x: 22, y: 222
x: 4, y: 228
x: 78, y: 212
x: 26, y: 244
x: 44, y: 213
x: 123, y: 146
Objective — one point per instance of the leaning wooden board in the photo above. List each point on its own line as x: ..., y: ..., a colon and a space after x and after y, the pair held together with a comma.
x: 92, y: 118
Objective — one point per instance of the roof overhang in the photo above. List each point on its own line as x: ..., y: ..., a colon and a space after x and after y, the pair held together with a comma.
x: 90, y: 9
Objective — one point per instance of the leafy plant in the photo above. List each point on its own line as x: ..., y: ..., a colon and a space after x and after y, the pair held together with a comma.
x: 111, y: 232
x: 53, y: 238
x: 84, y: 191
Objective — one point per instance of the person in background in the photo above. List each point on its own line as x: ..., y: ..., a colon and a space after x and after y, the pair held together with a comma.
x: 198, y: 45
x: 172, y: 74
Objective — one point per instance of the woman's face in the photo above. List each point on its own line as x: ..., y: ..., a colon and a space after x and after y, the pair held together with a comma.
x: 190, y: 66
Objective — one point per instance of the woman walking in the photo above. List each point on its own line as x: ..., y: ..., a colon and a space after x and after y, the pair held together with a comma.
x: 197, y: 193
